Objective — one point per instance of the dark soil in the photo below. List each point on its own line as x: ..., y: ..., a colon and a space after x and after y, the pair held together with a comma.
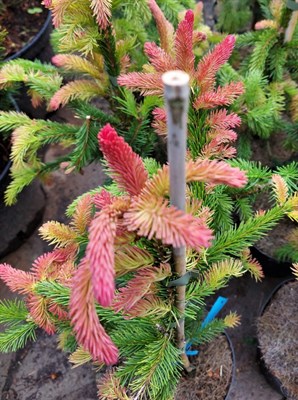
x: 20, y: 24
x: 278, y: 338
x: 271, y: 152
x: 42, y: 372
x: 214, y: 366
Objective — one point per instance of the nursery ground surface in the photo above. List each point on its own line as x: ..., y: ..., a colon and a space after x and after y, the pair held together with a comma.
x: 38, y: 372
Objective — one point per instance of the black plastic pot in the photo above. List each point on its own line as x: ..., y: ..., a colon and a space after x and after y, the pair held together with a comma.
x: 5, y: 171
x: 19, y: 221
x: 33, y: 48
x: 233, y: 365
x: 271, y: 266
x: 271, y: 379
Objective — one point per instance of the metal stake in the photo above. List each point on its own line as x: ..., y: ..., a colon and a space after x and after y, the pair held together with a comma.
x: 176, y: 91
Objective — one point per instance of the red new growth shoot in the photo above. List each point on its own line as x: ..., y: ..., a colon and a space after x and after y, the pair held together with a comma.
x: 127, y: 168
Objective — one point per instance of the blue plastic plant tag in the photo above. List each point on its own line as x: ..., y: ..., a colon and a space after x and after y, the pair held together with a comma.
x: 192, y: 352
x: 215, y: 309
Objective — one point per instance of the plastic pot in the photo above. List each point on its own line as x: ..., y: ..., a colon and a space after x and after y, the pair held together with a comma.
x: 265, y: 369
x: 19, y: 221
x: 33, y: 48
x: 233, y: 365
x: 271, y: 266
x: 5, y: 171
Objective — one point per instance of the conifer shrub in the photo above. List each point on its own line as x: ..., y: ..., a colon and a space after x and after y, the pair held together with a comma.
x: 108, y: 287
x: 95, y: 41
x: 234, y: 16
x: 270, y: 72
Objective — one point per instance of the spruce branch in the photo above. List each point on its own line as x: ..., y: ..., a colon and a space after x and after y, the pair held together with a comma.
x: 107, y: 46
x: 16, y: 336
x: 235, y: 240
x: 12, y: 312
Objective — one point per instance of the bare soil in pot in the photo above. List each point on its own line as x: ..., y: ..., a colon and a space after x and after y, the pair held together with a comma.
x: 213, y: 374
x: 22, y: 20
x: 278, y: 339
x: 272, y: 151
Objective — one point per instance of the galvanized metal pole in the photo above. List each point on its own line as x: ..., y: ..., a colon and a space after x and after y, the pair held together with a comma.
x: 176, y: 91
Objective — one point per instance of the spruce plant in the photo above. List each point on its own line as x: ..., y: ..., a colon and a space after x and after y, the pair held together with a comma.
x: 274, y: 40
x: 234, y: 15
x: 270, y: 72
x: 95, y: 41
x: 265, y: 61
x: 289, y: 251
x: 108, y: 288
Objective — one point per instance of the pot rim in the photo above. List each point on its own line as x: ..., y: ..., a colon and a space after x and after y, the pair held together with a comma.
x: 233, y: 365
x: 270, y: 265
x: 33, y: 41
x: 4, y: 172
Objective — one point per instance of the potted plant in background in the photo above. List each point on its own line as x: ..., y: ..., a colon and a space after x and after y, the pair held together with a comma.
x: 265, y: 61
x: 234, y: 16
x: 26, y: 217
x: 99, y: 56
x: 277, y: 337
x: 272, y: 57
x: 276, y: 251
